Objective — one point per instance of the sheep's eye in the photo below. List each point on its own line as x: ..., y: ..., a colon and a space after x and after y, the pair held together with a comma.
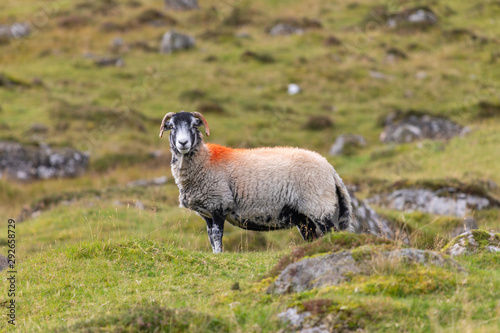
x: 168, y: 127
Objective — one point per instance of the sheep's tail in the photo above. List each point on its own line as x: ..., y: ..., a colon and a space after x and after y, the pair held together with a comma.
x: 346, y: 215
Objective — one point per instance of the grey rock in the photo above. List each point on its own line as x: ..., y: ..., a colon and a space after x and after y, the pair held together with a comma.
x: 293, y: 317
x: 327, y: 270
x: 296, y: 319
x: 109, y: 61
x: 347, y: 140
x: 418, y: 17
x: 285, y: 29
x: 415, y: 127
x: 181, y: 4
x: 118, y: 45
x: 335, y: 268
x: 173, y: 41
x: 15, y: 31
x: 28, y: 163
x: 4, y: 263
x: 473, y: 241
x: 446, y: 201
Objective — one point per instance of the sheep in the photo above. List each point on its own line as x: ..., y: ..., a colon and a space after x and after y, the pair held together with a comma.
x: 257, y: 189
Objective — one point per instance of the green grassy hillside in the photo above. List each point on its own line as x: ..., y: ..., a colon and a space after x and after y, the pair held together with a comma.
x: 89, y: 260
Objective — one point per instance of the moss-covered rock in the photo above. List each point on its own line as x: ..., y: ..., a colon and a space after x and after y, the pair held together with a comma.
x: 473, y: 241
x: 331, y: 242
x: 380, y: 260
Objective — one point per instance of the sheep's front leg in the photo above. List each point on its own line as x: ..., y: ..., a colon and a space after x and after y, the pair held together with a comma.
x: 215, y: 229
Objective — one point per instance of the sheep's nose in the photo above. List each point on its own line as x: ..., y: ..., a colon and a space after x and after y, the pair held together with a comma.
x: 183, y: 143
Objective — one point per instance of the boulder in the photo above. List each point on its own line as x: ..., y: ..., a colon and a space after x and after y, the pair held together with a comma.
x: 346, y: 144
x: 181, y: 4
x: 27, y: 163
x: 418, y: 127
x: 473, y: 241
x: 173, y: 41
x: 335, y: 268
x: 445, y: 201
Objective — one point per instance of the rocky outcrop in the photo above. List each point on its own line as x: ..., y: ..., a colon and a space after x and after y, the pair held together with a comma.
x: 346, y: 144
x: 181, y: 4
x: 407, y: 20
x: 419, y: 127
x: 173, y: 41
x: 28, y: 163
x: 473, y: 241
x: 335, y: 268
x: 415, y: 18
x: 445, y: 201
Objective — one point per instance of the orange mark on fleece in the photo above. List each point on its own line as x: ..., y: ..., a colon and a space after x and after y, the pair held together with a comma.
x: 218, y: 152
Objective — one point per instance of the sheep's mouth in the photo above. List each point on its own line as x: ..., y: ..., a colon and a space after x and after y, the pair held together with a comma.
x: 183, y: 151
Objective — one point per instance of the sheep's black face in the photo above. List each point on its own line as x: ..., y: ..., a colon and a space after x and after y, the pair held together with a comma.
x: 184, y: 134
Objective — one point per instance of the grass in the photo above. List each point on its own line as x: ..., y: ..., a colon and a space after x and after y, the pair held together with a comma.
x: 89, y: 260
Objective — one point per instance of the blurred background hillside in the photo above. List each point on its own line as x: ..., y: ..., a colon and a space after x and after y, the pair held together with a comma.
x: 409, y: 89
x: 402, y: 97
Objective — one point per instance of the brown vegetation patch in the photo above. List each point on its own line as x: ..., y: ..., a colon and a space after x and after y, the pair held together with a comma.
x: 263, y: 58
x: 154, y: 17
x: 317, y: 306
x: 192, y: 95
x: 318, y: 122
x: 101, y: 7
x: 332, y: 41
x: 73, y: 21
x: 488, y: 110
x: 211, y: 107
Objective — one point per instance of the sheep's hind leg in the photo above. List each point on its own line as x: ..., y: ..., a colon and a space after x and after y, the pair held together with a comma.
x: 307, y: 230
x: 326, y: 225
